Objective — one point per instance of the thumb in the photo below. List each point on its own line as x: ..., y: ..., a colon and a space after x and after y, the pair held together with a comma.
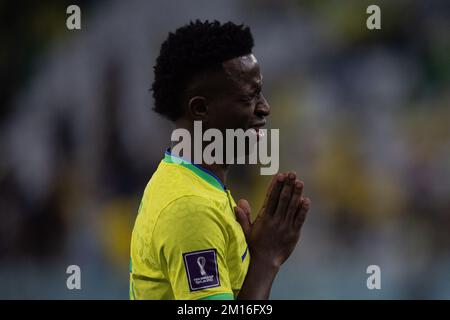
x: 244, y: 220
x: 244, y: 205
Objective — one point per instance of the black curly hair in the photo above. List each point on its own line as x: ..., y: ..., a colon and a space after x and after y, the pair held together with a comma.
x: 192, y: 50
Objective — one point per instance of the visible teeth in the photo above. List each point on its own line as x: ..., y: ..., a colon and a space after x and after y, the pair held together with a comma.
x: 260, y: 133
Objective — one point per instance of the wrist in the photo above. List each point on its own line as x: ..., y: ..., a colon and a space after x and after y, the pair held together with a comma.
x: 264, y: 261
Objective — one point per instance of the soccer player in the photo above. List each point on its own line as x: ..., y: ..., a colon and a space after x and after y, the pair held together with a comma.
x: 190, y: 239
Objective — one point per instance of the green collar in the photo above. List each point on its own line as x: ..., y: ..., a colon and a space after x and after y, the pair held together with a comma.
x: 206, y: 175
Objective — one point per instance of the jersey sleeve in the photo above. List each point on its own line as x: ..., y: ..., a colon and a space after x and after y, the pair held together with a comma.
x: 191, y: 243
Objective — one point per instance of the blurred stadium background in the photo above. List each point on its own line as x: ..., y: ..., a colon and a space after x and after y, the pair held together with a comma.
x: 364, y: 118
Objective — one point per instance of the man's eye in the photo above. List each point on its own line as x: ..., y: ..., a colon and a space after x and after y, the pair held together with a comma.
x: 247, y: 98
x: 256, y: 95
x: 251, y: 98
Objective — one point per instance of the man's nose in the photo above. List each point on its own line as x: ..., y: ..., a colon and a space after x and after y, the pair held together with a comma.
x: 263, y: 107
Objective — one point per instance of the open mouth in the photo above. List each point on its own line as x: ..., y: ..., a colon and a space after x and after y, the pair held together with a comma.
x: 259, y: 132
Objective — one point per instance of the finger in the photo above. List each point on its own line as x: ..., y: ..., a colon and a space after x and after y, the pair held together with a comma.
x: 300, y: 216
x: 296, y: 201
x: 270, y: 188
x: 243, y: 220
x: 244, y: 205
x: 274, y: 194
x: 285, y: 195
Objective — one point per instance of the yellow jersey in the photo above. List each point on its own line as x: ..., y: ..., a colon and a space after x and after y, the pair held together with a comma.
x: 186, y: 242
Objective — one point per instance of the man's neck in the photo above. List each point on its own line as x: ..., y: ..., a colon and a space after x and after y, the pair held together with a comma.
x: 219, y: 170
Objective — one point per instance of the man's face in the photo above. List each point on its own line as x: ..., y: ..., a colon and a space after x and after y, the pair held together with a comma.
x: 239, y: 103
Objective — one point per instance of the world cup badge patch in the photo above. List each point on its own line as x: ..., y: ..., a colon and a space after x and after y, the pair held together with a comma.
x: 202, y: 269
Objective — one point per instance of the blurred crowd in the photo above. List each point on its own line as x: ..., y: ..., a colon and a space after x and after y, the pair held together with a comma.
x: 364, y: 118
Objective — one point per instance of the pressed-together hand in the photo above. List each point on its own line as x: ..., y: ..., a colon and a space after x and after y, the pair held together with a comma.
x: 276, y: 230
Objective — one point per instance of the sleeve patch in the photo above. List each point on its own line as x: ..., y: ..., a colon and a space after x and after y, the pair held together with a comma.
x: 201, y: 269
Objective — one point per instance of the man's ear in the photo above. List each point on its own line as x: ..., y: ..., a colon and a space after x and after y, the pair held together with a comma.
x: 198, y: 108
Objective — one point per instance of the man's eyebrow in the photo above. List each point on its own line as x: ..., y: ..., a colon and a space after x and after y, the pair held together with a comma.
x: 253, y: 88
x: 257, y: 85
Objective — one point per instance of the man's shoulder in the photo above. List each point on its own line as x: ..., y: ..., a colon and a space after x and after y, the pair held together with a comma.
x: 174, y: 185
x: 191, y: 206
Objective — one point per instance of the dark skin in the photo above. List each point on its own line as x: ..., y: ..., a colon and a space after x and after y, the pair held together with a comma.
x: 231, y: 98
